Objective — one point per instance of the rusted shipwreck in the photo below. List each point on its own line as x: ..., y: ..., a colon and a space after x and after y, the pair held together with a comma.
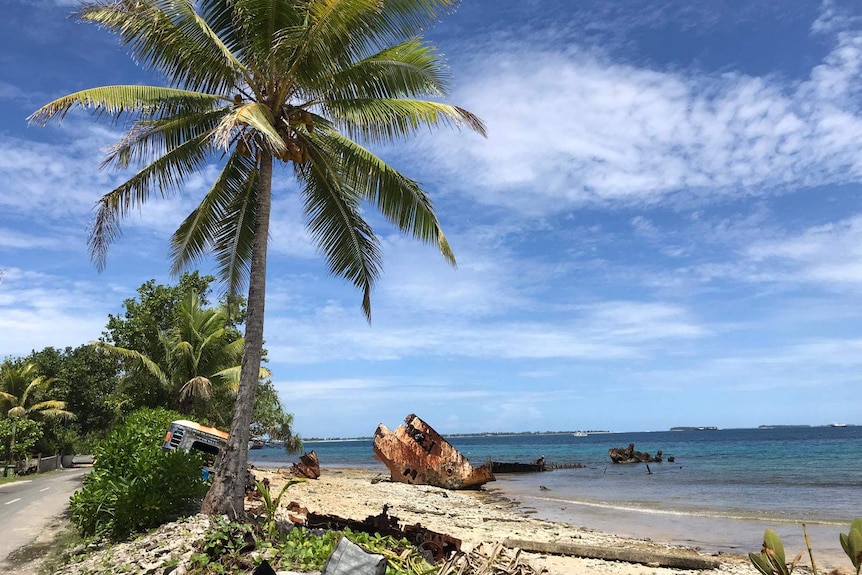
x: 308, y: 466
x: 629, y: 455
x: 415, y: 453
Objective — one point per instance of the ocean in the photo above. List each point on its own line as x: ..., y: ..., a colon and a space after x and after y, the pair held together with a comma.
x: 723, y: 490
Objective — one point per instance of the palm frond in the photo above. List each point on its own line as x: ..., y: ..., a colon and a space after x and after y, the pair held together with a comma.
x: 164, y: 175
x: 197, y: 387
x: 406, y: 18
x: 223, y: 222
x: 17, y: 412
x: 397, y: 197
x: 146, y: 101
x: 135, y: 356
x: 233, y: 349
x: 169, y: 36
x: 385, y: 120
x: 258, y: 116
x: 149, y: 139
x: 57, y: 414
x: 263, y: 23
x: 336, y: 224
x: 408, y: 69
x: 230, y: 376
x: 330, y: 37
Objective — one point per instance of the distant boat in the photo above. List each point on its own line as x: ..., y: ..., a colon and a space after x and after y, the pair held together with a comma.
x: 839, y: 425
x: 580, y: 434
x: 256, y: 444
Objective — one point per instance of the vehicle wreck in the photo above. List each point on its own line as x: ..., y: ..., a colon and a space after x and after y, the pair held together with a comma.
x: 415, y: 453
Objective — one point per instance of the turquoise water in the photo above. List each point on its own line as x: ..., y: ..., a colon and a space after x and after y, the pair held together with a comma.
x: 724, y: 488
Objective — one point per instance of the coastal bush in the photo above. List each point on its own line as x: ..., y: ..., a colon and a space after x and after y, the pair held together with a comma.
x: 134, y: 485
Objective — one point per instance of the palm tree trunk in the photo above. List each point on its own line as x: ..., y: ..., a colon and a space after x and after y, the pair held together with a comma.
x: 11, y: 459
x: 228, y: 489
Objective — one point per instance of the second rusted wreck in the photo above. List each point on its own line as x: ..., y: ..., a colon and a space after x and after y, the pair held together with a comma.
x: 415, y: 453
x: 308, y: 466
x: 629, y: 455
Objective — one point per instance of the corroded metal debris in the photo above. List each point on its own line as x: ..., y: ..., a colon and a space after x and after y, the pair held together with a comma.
x: 308, y: 466
x: 438, y: 545
x: 508, y: 467
x: 415, y: 453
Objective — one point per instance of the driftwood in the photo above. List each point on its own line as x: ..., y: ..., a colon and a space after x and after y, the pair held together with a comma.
x: 308, y: 466
x: 487, y: 560
x: 644, y: 556
x: 415, y: 453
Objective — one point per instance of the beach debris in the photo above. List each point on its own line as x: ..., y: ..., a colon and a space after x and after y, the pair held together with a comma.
x: 485, y: 559
x: 348, y: 558
x: 506, y: 467
x: 264, y: 569
x: 438, y: 545
x: 415, y: 453
x: 680, y: 559
x: 308, y: 466
x: 629, y: 455
x: 296, y: 513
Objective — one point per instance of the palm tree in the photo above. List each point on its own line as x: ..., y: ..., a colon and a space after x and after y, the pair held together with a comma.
x: 254, y: 81
x: 199, y: 359
x: 21, y: 396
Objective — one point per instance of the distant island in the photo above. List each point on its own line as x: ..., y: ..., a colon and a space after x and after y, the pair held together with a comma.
x: 484, y: 434
x: 782, y: 426
x: 700, y: 428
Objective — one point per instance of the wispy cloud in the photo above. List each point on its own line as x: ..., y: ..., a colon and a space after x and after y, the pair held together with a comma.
x: 571, y: 128
x: 829, y: 255
x: 39, y: 310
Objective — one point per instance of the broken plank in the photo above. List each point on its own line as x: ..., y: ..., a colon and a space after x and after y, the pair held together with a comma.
x: 644, y: 556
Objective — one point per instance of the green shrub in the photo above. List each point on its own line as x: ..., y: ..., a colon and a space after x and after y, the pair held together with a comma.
x: 27, y: 434
x: 134, y: 485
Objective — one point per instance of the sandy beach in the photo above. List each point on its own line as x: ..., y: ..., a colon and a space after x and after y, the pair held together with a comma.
x: 475, y: 517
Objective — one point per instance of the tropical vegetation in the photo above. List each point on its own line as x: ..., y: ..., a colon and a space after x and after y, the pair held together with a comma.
x: 134, y: 484
x: 24, y: 395
x: 198, y: 361
x: 252, y: 83
x: 102, y: 388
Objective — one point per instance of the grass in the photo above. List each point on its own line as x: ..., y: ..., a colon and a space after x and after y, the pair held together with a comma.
x: 55, y: 555
x: 10, y: 479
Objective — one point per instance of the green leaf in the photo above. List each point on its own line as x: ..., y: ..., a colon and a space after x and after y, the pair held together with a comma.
x: 773, y: 543
x: 761, y: 561
x: 854, y: 545
x: 149, y: 101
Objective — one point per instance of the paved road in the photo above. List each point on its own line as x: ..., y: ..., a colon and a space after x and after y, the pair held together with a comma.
x: 29, y: 506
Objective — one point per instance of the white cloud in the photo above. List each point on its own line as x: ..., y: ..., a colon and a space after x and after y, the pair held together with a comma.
x: 569, y: 128
x: 39, y: 310
x: 830, y: 255
x: 610, y: 330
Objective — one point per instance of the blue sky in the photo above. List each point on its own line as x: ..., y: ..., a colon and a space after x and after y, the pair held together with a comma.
x: 663, y: 227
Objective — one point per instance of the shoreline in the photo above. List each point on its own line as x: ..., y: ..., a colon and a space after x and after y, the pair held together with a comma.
x: 488, y: 515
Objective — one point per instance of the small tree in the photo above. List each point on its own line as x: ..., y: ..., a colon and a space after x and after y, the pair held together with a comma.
x: 197, y: 361
x: 23, y: 392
